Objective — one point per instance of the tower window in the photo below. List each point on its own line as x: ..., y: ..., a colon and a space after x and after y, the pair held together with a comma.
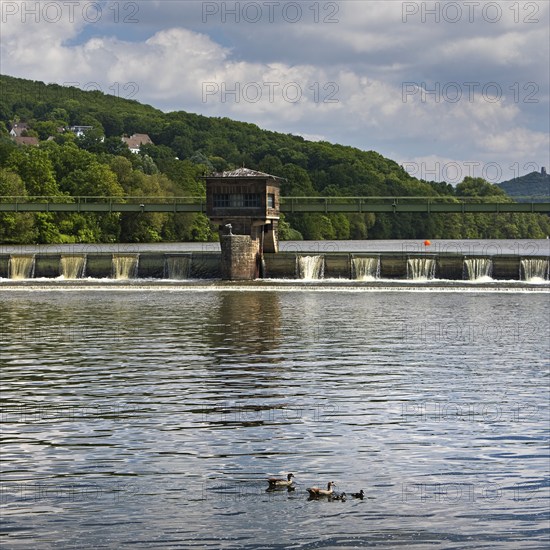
x: 252, y: 201
x: 238, y: 200
x: 221, y: 201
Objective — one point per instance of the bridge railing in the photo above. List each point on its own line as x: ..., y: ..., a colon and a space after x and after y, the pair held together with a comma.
x: 69, y: 199
x: 408, y: 199
x: 289, y: 205
x: 409, y: 204
x: 284, y: 200
x: 102, y: 204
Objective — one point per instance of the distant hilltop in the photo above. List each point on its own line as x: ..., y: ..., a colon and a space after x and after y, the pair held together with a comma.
x: 535, y: 184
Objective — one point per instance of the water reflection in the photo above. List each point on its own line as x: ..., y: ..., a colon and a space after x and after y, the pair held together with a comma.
x: 247, y: 374
x: 245, y: 323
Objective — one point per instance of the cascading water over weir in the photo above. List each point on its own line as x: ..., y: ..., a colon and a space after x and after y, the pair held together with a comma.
x: 366, y: 269
x: 72, y: 267
x: 311, y: 267
x: 478, y: 268
x: 534, y: 269
x: 125, y: 266
x: 420, y: 268
x: 178, y: 267
x: 21, y: 266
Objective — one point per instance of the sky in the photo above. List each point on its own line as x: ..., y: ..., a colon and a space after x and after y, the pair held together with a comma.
x: 448, y: 89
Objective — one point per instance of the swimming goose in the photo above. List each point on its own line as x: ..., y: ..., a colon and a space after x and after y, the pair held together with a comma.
x: 338, y: 496
x: 280, y: 482
x: 360, y: 494
x: 315, y: 492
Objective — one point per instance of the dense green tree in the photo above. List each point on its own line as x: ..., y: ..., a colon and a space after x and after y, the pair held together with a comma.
x: 123, y: 170
x: 188, y: 146
x: 287, y: 233
x: 112, y: 123
x: 46, y: 129
x: 67, y: 158
x: 270, y: 164
x: 298, y: 183
x: 35, y: 168
x: 115, y: 146
x: 59, y: 115
x: 148, y: 226
x: 6, y: 148
x: 96, y: 180
x: 15, y: 228
x: 182, y: 147
x: 92, y: 140
x: 478, y: 187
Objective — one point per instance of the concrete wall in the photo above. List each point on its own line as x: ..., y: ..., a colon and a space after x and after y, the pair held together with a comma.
x: 505, y: 268
x: 271, y: 238
x: 240, y: 257
x: 337, y: 266
x: 47, y: 265
x: 99, y: 266
x: 4, y: 266
x: 393, y: 267
x: 450, y: 267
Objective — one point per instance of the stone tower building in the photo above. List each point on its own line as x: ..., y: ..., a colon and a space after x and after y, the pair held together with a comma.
x: 245, y: 204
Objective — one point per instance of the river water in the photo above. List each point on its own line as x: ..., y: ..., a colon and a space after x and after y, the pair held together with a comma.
x: 152, y: 419
x: 469, y: 247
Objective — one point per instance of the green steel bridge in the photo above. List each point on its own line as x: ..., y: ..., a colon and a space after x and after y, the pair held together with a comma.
x: 425, y: 205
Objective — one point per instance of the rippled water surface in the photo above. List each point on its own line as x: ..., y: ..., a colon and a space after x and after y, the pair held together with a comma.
x: 153, y: 418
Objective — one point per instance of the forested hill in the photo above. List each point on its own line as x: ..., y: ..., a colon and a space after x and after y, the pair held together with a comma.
x: 535, y: 184
x: 184, y: 147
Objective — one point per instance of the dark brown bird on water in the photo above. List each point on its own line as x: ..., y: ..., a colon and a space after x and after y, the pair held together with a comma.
x: 280, y: 482
x: 315, y: 492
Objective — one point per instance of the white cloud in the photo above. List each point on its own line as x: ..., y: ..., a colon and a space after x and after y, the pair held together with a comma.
x: 358, y: 99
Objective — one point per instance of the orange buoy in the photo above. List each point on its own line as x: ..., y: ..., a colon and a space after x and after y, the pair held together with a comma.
x: 427, y: 243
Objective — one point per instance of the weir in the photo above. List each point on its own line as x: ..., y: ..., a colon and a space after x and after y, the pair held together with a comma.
x: 177, y: 267
x: 21, y: 266
x: 420, y: 268
x: 125, y: 266
x: 207, y: 264
x: 72, y: 267
x: 366, y: 269
x: 534, y: 269
x: 478, y: 268
x: 310, y: 267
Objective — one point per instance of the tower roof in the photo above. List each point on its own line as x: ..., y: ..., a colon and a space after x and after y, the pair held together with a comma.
x: 245, y: 173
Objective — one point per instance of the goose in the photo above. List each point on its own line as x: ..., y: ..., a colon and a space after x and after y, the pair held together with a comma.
x: 360, y: 494
x: 338, y: 496
x: 280, y: 482
x: 315, y: 492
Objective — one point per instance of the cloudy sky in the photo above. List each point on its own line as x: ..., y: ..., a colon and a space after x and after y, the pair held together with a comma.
x: 446, y: 88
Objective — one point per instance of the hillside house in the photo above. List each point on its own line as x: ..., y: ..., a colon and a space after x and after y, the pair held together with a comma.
x: 135, y: 142
x: 18, y: 128
x: 79, y: 131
